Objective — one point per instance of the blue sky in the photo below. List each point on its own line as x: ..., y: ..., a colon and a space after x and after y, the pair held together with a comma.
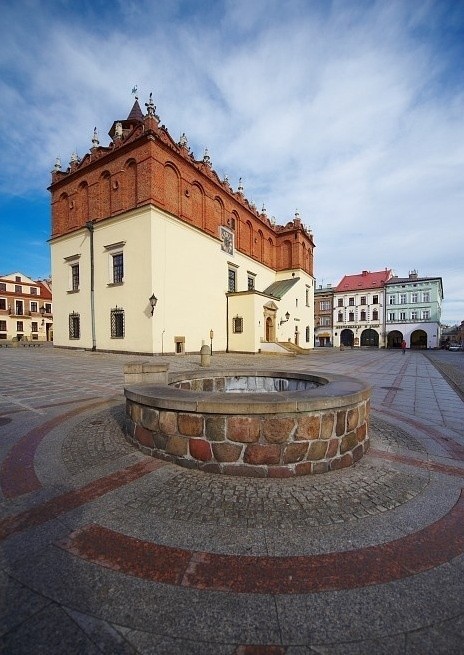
x: 349, y: 111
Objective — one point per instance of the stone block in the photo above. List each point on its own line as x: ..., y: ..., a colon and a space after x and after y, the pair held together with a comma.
x: 277, y: 429
x: 320, y: 467
x: 280, y: 472
x: 332, y: 448
x: 304, y: 468
x: 144, y: 436
x: 227, y: 452
x: 358, y: 452
x: 262, y: 454
x: 243, y: 429
x: 244, y: 471
x: 215, y: 428
x: 317, y: 450
x: 352, y: 419
x: 191, y: 425
x: 168, y: 422
x: 341, y: 462
x: 340, y: 427
x: 150, y: 418
x: 208, y: 384
x: 348, y: 442
x: 160, y: 440
x: 177, y: 445
x: 327, y: 425
x: 309, y: 427
x: 200, y: 449
x: 295, y: 452
x: 361, y: 432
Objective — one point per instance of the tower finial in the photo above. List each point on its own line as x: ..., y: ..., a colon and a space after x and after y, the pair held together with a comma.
x: 95, y: 141
x: 134, y: 91
x: 240, y: 185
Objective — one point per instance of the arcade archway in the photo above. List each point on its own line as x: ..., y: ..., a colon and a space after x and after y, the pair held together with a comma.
x: 419, y: 339
x: 370, y: 338
x: 395, y: 337
x: 347, y: 337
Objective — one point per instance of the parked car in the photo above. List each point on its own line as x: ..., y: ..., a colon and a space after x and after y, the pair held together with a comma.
x: 455, y: 346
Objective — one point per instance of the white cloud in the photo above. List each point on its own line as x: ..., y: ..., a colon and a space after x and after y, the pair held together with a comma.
x: 349, y: 111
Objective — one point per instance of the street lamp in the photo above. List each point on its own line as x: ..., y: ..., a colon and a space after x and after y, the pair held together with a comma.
x: 211, y: 335
x: 152, y: 300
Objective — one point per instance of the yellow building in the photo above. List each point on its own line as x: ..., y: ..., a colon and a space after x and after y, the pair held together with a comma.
x: 153, y: 253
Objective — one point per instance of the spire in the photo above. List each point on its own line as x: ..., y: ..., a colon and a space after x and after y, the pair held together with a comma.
x: 95, y: 141
x: 135, y: 113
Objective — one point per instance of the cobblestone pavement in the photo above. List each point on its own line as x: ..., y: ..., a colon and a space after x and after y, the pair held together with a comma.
x: 105, y: 550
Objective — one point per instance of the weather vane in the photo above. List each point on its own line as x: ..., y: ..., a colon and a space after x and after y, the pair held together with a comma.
x: 134, y: 91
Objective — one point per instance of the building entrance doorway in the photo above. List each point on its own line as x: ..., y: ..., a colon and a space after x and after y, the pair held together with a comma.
x: 394, y: 339
x: 370, y: 338
x: 347, y: 338
x: 419, y: 339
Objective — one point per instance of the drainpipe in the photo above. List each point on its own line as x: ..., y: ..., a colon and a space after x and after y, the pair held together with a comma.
x: 227, y: 324
x: 90, y: 226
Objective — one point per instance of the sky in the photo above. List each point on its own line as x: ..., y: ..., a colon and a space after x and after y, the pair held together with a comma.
x: 350, y: 112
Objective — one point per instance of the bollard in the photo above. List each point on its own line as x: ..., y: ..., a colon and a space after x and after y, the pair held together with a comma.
x: 205, y: 356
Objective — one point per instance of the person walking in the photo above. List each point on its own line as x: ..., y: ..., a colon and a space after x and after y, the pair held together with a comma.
x: 403, y: 346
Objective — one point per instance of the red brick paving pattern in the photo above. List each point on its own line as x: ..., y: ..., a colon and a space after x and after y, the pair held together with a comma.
x: 17, y: 474
x: 428, y: 548
x: 76, y: 498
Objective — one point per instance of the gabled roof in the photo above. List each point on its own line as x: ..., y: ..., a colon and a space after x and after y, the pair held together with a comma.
x: 280, y: 288
x: 364, y: 280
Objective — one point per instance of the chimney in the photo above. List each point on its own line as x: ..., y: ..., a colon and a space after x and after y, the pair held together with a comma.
x: 413, y: 275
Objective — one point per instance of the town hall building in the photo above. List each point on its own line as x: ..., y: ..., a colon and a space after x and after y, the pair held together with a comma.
x: 153, y: 253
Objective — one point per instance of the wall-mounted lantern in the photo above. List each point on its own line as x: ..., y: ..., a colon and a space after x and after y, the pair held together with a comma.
x: 153, y: 300
x: 287, y: 316
x: 211, y: 335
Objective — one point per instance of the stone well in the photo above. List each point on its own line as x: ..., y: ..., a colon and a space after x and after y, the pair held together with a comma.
x: 252, y: 423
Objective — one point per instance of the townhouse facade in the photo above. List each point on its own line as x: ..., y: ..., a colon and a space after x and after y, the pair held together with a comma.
x: 323, y: 315
x: 359, y: 310
x: 153, y: 253
x: 26, y: 312
x: 413, y: 311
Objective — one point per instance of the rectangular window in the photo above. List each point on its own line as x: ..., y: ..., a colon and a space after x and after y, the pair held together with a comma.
x: 3, y: 326
x: 19, y: 326
x: 48, y: 308
x: 425, y: 314
x: 325, y: 320
x: 2, y: 286
x: 34, y: 326
x: 307, y: 297
x: 426, y: 296
x: 403, y: 299
x: 363, y: 315
x: 33, y: 291
x: 375, y: 300
x: 18, y: 288
x: 19, y: 308
x: 34, y: 306
x: 340, y: 302
x: 2, y: 303
x: 118, y: 268
x: 351, y: 302
x: 308, y: 334
x: 414, y: 315
x: 237, y: 324
x: 391, y: 300
x: 363, y: 300
x: 75, y: 277
x: 18, y: 278
x: 391, y: 316
x: 232, y: 283
x: 74, y: 326
x: 414, y: 297
x: 340, y: 317
x: 117, y: 323
x: 402, y: 316
x: 251, y: 282
x: 324, y: 305
x: 351, y: 317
